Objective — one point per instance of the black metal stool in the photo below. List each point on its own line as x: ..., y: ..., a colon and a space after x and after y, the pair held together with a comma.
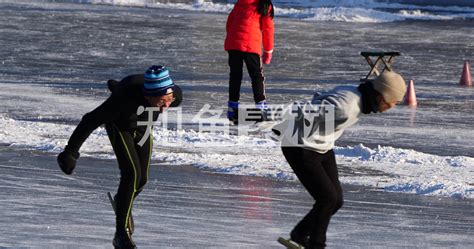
x: 383, y: 58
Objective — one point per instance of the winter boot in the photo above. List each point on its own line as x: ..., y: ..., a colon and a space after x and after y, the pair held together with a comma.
x: 299, y: 237
x: 233, y: 112
x: 122, y: 240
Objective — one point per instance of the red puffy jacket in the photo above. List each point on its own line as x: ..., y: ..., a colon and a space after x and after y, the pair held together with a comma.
x: 246, y: 28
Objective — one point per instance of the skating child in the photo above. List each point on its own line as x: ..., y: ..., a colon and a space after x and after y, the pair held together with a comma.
x: 249, y: 27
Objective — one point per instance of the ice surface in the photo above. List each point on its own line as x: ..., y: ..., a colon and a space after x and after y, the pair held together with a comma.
x: 57, y: 58
x: 236, y: 192
x: 50, y: 81
x: 182, y: 207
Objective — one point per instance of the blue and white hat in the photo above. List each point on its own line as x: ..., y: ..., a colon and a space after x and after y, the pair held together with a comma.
x: 157, y: 81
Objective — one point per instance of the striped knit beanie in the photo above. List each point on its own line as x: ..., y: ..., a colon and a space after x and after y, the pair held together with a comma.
x: 157, y: 81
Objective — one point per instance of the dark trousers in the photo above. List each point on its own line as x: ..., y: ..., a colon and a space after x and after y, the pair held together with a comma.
x: 318, y: 174
x: 134, y: 164
x: 255, y: 70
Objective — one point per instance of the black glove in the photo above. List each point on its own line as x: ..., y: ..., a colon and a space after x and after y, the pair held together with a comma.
x: 67, y: 161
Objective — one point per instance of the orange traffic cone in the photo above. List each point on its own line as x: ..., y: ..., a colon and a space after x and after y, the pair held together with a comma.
x: 410, y: 97
x: 466, y: 75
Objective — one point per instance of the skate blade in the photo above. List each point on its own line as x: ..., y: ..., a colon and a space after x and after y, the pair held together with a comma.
x: 289, y: 244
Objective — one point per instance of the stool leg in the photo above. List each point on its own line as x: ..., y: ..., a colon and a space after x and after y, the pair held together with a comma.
x: 371, y: 64
x: 374, y: 69
x: 388, y: 64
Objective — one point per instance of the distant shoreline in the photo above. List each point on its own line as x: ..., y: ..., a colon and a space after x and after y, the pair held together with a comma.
x: 460, y: 3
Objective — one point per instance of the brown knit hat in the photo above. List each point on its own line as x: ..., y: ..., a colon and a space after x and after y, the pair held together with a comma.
x: 391, y: 86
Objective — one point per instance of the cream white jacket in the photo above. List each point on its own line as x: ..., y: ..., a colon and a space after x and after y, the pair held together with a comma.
x: 318, y: 132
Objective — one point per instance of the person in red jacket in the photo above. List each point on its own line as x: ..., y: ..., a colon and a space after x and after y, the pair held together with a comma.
x: 249, y: 26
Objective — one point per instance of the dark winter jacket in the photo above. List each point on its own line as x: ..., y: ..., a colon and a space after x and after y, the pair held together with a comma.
x: 120, y: 109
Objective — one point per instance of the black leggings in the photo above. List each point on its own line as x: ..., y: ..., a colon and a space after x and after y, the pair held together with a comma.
x: 318, y: 174
x: 254, y: 67
x: 134, y: 164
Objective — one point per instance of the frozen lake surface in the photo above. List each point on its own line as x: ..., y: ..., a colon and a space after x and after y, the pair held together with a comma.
x: 57, y: 57
x: 233, y: 191
x: 183, y: 207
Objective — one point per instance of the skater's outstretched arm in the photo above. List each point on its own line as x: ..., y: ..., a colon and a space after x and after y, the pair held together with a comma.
x: 106, y: 112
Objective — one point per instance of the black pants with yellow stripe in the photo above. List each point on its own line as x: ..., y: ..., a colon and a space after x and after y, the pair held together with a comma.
x: 134, y: 164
